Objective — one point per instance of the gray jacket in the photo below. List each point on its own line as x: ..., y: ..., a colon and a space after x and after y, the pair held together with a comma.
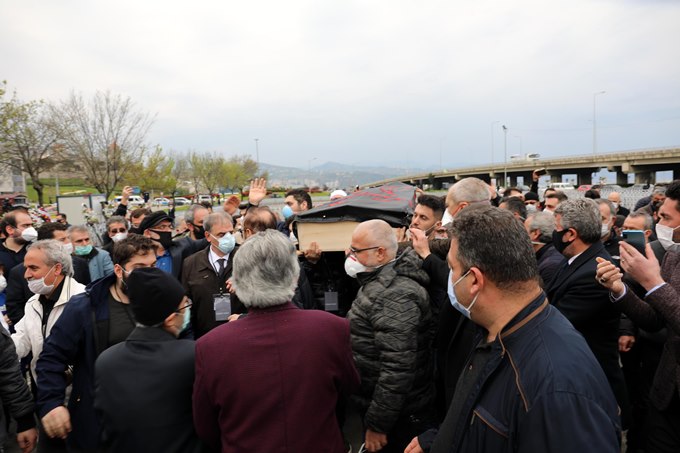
x: 392, y: 329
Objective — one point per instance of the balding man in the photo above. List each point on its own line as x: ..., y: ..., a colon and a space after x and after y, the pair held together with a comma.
x: 391, y: 329
x: 615, y: 198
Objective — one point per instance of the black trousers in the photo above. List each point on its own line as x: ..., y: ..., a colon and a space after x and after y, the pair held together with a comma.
x: 663, y: 428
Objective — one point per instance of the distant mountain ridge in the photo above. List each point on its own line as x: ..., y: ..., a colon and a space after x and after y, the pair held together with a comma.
x: 332, y: 174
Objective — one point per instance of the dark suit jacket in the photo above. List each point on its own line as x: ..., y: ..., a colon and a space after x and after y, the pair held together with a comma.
x: 143, y: 393
x: 270, y: 382
x: 183, y: 249
x: 200, y: 282
x: 662, y: 307
x: 549, y: 262
x: 585, y: 303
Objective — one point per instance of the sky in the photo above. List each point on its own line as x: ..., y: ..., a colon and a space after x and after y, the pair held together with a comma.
x: 425, y: 84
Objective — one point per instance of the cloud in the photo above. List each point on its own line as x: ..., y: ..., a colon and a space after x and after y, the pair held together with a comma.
x: 369, y: 81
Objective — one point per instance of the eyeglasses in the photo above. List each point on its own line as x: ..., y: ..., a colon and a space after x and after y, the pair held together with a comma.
x: 354, y: 251
x: 188, y: 305
x: 117, y: 230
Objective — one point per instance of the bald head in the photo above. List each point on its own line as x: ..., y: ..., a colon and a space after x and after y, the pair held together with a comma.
x: 466, y: 192
x: 614, y: 197
x: 379, y: 234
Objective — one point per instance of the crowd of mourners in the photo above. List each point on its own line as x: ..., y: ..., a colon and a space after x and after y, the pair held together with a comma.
x: 493, y: 323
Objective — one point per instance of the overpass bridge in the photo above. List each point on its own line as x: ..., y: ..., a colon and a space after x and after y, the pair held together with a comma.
x: 642, y: 163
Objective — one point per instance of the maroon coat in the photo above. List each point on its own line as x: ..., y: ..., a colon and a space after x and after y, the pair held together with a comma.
x: 270, y: 381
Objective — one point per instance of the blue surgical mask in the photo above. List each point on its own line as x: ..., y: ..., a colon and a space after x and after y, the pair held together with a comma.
x: 287, y: 212
x: 454, y: 300
x: 83, y: 250
x: 226, y: 243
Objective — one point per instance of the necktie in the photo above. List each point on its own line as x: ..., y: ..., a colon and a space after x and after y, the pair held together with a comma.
x: 221, y: 263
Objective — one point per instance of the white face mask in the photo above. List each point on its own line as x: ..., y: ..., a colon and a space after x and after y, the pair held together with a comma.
x: 616, y: 205
x: 119, y: 237
x: 353, y: 266
x: 605, y: 230
x: 665, y: 235
x: 29, y: 234
x: 3, y: 283
x: 531, y: 208
x: 38, y: 286
x: 68, y: 248
x: 548, y: 211
x: 447, y: 217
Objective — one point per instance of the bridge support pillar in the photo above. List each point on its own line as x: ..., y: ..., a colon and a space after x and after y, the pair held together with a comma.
x: 584, y: 178
x: 645, y: 177
x: 555, y: 178
x: 621, y: 178
x: 676, y: 174
x: 513, y: 181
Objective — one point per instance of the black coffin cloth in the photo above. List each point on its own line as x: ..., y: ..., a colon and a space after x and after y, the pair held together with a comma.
x: 393, y: 203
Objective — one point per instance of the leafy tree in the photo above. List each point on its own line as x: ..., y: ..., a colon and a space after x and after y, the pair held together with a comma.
x: 106, y: 136
x: 155, y: 173
x: 27, y: 138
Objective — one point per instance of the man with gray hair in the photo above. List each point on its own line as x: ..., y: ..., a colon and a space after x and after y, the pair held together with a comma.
x: 271, y: 381
x: 49, y: 273
x: 540, y: 227
x: 206, y: 272
x: 576, y: 293
x: 392, y: 330
x: 98, y: 261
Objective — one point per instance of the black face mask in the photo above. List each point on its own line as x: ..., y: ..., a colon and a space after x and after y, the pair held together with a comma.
x: 165, y: 239
x: 199, y: 231
x: 557, y: 237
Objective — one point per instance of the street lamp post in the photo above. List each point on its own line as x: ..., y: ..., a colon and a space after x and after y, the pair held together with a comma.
x: 505, y: 152
x: 595, y: 121
x: 492, y: 125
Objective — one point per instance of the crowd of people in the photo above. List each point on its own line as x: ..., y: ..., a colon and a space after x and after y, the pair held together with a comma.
x: 494, y: 323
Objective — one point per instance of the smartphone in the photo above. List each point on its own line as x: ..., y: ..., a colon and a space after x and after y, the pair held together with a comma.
x: 636, y: 238
x: 541, y: 171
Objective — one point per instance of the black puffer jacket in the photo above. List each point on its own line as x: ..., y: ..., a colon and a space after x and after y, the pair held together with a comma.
x: 392, y: 329
x: 15, y: 397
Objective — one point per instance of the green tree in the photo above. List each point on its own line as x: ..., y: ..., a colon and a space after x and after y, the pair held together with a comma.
x: 27, y: 138
x: 155, y: 173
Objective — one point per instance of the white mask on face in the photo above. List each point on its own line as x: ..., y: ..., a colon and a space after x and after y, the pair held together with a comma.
x: 665, y: 235
x: 119, y: 237
x: 616, y: 205
x: 531, y: 208
x: 605, y: 230
x: 447, y: 217
x: 353, y: 266
x: 29, y: 234
x: 68, y: 248
x: 38, y: 286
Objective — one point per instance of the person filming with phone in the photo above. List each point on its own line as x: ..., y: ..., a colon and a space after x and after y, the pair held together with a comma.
x: 659, y: 306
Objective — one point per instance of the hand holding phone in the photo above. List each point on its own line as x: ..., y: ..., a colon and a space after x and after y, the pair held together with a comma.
x: 636, y: 238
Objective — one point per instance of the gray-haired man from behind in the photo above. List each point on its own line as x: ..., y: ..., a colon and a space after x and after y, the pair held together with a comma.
x: 540, y: 227
x: 280, y: 370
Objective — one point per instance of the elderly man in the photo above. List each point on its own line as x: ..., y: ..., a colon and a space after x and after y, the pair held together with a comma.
x: 270, y: 381
x: 540, y: 227
x: 659, y: 308
x: 574, y: 291
x: 116, y: 230
x: 91, y: 322
x: 205, y: 275
x: 194, y: 217
x: 392, y: 329
x: 48, y: 271
x: 143, y: 385
x: 98, y: 260
x: 608, y: 235
x: 615, y: 199
x: 531, y: 383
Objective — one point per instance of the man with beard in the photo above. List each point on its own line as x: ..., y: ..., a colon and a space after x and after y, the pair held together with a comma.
x: 17, y: 227
x: 90, y: 323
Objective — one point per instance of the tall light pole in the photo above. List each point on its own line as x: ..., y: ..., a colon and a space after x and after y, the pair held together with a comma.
x: 595, y: 121
x: 505, y: 146
x: 492, y: 125
x: 257, y: 151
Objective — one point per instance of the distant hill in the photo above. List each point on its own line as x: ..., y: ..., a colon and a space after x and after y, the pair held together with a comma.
x: 332, y: 174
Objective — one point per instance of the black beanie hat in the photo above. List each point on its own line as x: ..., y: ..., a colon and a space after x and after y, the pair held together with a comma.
x: 152, y: 220
x: 154, y: 295
x: 531, y: 196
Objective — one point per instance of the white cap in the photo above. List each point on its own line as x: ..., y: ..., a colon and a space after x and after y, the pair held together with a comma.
x: 338, y: 194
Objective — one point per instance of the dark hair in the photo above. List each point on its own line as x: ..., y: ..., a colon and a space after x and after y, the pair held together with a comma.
x: 10, y: 219
x: 592, y: 194
x: 492, y: 240
x: 435, y: 203
x: 259, y: 219
x: 673, y: 192
x: 140, y: 212
x: 46, y: 230
x: 134, y: 244
x: 207, y: 205
x: 512, y: 189
x: 561, y: 196
x: 62, y: 214
x: 515, y: 205
x: 300, y: 195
